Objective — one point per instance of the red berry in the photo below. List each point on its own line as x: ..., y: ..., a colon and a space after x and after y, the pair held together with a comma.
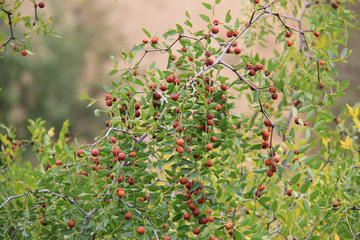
x: 41, y: 4
x: 58, y: 163
x: 95, y: 152
x: 140, y: 230
x: 24, y: 52
x: 215, y: 30
x: 71, y: 224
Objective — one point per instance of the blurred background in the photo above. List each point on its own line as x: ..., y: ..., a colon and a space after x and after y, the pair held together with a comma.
x: 49, y: 84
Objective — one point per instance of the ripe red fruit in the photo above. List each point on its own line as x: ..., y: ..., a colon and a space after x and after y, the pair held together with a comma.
x: 79, y: 153
x: 259, y: 66
x: 267, y: 123
x: 208, y: 163
x: 137, y: 113
x: 121, y: 156
x: 180, y: 149
x: 210, y: 122
x: 218, y: 107
x: 58, y: 163
x: 335, y: 203
x: 216, y: 22
x: 16, y: 48
x: 71, y: 223
x: 121, y: 193
x: 270, y: 173
x: 261, y: 188
x: 288, y: 34
x: 296, y: 120
x: 192, y: 206
x: 274, y: 96
x: 213, y: 139
x: 215, y: 30
x: 196, y: 212
x: 24, y: 52
x: 289, y: 43
x: 268, y: 162
x: 208, y: 53
x: 224, y: 87
x: 154, y: 40
x: 258, y: 194
x: 266, y: 105
x: 196, y: 231
x: 306, y: 123
x: 120, y: 179
x: 187, y: 216
x: 228, y: 226
x: 95, y: 152
x: 163, y: 88
x: 174, y: 96
x: 317, y: 34
x: 237, y: 50
x: 180, y: 142
x: 296, y: 103
x: 265, y: 134
x: 84, y: 173
x: 276, y: 159
x: 265, y: 145
x: 272, y: 89
x: 170, y: 78
x: 289, y: 192
x: 322, y: 62
x: 183, y: 181
x: 128, y: 216
x: 256, y: 1
x: 229, y: 33
x: 109, y: 102
x: 209, y: 62
x: 140, y: 230
x: 145, y: 40
x: 209, y: 147
x: 252, y: 72
x: 211, y: 219
x: 41, y: 4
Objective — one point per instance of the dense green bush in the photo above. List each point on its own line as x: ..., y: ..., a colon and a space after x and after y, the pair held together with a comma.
x: 177, y: 160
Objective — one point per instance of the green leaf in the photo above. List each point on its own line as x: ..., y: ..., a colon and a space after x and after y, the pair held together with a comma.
x: 295, y: 166
x: 179, y: 28
x: 303, y: 149
x: 295, y: 178
x: 274, y: 205
x: 112, y: 72
x: 304, y: 187
x: 343, y: 53
x: 260, y: 170
x: 107, y: 88
x: 137, y: 48
x: 36, y: 173
x: 206, y: 18
x: 307, y: 134
x: 228, y: 17
x: 97, y: 112
x: 306, y: 206
x: 208, y: 6
x: 318, y: 125
x: 147, y: 33
x: 217, y: 1
x: 183, y: 228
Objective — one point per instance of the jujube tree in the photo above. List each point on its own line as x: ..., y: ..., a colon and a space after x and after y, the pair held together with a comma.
x: 178, y: 160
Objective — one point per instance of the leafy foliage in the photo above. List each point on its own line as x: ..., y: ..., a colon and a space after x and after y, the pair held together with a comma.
x: 177, y: 161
